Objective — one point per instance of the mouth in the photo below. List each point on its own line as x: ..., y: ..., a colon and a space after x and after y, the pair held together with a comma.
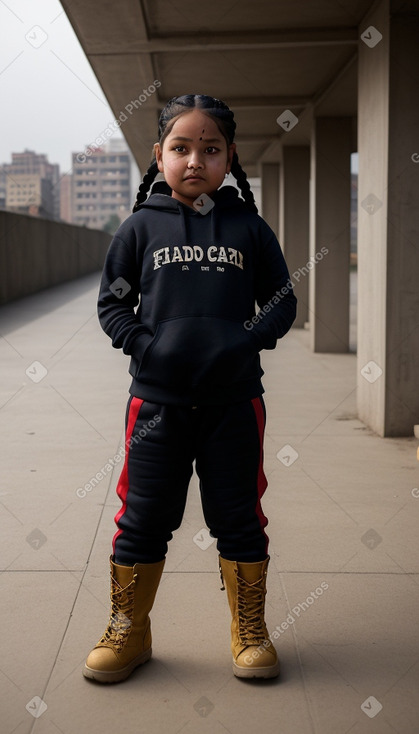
x: 193, y: 178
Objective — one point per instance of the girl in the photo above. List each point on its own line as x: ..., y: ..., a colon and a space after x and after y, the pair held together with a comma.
x: 198, y: 256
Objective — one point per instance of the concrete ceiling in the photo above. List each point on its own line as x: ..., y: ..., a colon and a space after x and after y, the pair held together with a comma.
x: 262, y: 58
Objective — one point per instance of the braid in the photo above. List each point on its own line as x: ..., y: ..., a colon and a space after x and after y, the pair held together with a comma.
x: 148, y: 179
x: 243, y: 184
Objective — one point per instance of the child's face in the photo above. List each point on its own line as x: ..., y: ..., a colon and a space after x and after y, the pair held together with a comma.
x: 194, y: 157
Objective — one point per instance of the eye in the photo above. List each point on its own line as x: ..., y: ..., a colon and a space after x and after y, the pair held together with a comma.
x: 212, y: 149
x: 179, y: 148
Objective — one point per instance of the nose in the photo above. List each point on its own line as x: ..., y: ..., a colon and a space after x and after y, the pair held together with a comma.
x: 194, y: 160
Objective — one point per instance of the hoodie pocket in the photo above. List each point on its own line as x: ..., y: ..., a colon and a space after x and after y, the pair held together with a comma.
x: 198, y: 351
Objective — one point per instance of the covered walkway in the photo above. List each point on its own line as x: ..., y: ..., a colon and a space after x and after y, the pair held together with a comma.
x: 343, y: 589
x: 310, y: 82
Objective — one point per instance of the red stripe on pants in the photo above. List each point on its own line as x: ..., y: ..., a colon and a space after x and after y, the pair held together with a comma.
x: 123, y: 483
x: 262, y: 481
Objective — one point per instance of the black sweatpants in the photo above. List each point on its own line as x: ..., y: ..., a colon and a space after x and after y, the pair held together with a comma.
x: 162, y: 441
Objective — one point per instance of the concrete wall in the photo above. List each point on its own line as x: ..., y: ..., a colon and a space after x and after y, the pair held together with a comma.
x: 402, y: 314
x: 330, y: 214
x: 270, y: 195
x: 38, y: 253
x: 388, y: 222
x: 373, y: 121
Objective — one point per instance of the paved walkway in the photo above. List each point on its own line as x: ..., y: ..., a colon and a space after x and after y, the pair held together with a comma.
x: 344, y: 574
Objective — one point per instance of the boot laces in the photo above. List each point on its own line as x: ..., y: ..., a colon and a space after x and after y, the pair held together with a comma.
x: 250, y: 608
x: 122, y: 613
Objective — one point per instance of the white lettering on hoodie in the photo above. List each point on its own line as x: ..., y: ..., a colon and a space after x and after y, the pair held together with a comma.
x: 189, y: 253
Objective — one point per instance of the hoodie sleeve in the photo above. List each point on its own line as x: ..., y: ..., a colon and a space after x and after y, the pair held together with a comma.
x: 274, y: 292
x: 119, y: 296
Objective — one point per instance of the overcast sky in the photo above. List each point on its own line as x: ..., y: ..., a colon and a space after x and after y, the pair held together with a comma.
x: 51, y: 101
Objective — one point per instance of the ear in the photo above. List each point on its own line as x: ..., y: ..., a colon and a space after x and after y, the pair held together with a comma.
x: 159, y: 156
x: 231, y: 151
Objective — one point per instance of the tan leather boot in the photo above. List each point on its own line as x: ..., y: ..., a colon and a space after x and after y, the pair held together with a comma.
x: 126, y: 642
x: 254, y: 655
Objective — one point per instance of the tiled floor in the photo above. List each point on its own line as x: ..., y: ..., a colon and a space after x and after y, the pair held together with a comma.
x: 344, y: 572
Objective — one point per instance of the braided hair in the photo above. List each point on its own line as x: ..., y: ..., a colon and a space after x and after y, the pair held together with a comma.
x: 222, y: 116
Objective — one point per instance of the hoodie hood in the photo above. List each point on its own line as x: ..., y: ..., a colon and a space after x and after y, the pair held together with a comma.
x: 225, y: 197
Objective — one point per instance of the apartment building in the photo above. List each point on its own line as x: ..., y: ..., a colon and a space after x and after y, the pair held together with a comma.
x: 32, y: 185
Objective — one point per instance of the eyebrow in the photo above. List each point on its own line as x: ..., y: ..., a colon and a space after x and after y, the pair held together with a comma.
x: 190, y: 140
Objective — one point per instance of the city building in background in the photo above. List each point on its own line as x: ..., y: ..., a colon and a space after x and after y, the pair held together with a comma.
x: 28, y: 193
x: 30, y: 185
x: 96, y: 193
x: 3, y: 184
x: 100, y: 186
x: 66, y: 200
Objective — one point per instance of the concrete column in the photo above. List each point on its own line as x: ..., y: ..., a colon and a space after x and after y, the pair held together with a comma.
x: 388, y: 219
x: 294, y: 218
x: 270, y: 194
x: 330, y: 209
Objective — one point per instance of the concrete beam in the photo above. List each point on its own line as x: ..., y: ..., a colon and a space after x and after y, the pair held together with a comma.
x: 250, y: 41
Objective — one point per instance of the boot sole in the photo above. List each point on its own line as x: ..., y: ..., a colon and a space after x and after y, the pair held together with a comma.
x: 269, y: 672
x: 115, y: 676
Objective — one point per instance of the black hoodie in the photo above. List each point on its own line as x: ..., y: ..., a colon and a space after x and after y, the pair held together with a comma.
x: 192, y: 340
